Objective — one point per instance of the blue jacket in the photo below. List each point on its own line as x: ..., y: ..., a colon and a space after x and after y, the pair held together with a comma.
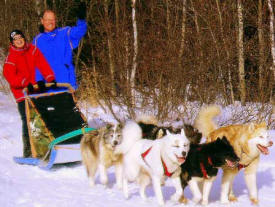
x: 57, y: 47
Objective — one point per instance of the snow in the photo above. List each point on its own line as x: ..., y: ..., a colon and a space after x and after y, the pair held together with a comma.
x: 67, y: 185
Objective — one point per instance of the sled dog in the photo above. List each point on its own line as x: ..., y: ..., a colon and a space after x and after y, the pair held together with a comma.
x: 145, y: 159
x: 97, y: 149
x: 201, y: 165
x: 151, y: 130
x: 248, y: 140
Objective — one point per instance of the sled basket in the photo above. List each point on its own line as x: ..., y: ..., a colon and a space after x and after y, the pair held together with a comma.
x: 55, y: 126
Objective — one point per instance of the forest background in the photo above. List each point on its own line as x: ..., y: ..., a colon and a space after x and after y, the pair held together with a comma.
x: 162, y: 55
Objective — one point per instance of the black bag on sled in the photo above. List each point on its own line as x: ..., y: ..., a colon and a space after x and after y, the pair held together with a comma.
x: 55, y: 126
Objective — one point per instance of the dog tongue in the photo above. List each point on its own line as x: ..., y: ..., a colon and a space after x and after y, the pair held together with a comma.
x: 263, y: 149
x: 229, y: 163
x: 181, y: 159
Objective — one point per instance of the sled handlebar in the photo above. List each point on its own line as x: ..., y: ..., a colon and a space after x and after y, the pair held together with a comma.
x: 49, y: 85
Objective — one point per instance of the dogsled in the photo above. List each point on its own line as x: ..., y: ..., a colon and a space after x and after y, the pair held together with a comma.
x: 55, y: 127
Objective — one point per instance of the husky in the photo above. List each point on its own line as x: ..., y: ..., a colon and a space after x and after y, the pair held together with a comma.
x: 248, y: 140
x: 201, y: 165
x: 145, y: 159
x: 97, y: 149
x: 151, y: 130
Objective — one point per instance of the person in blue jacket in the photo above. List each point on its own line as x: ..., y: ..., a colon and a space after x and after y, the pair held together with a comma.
x: 57, y: 44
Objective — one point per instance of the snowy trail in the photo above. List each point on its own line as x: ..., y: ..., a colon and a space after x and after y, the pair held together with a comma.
x: 67, y: 185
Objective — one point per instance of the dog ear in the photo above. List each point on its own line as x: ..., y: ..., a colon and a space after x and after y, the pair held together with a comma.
x: 262, y: 125
x: 108, y: 126
x: 168, y: 132
x: 251, y: 127
x: 160, y: 133
x: 225, y: 140
x: 182, y: 132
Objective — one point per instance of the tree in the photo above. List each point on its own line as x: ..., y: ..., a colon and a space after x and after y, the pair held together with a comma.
x: 241, y: 53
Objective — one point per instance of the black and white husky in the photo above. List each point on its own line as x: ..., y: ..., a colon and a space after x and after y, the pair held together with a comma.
x: 145, y: 160
x: 202, y: 165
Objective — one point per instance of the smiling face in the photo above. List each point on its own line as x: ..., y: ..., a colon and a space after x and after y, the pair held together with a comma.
x: 18, y: 41
x: 177, y: 147
x: 260, y: 140
x: 48, y: 21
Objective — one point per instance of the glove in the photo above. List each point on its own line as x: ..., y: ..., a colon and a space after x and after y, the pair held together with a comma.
x: 30, y: 88
x: 41, y: 86
x: 81, y: 10
x: 54, y: 86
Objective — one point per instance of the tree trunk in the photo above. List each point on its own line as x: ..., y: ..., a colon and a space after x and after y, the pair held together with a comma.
x: 272, y: 46
x: 241, y: 53
x: 183, y: 28
x: 117, y: 17
x: 261, y: 45
x: 227, y: 54
x: 134, y: 67
x: 110, y: 47
x: 168, y: 19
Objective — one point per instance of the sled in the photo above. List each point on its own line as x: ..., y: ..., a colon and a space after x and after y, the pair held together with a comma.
x: 55, y: 126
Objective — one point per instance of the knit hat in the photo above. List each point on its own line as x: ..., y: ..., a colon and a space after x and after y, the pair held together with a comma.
x: 16, y: 32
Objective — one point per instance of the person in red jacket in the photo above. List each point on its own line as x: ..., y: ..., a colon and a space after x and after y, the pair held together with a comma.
x: 19, y: 71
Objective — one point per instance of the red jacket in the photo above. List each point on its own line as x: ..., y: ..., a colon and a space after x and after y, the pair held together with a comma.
x: 19, y: 68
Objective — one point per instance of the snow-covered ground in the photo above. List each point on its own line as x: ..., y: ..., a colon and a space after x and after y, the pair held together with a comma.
x: 67, y: 185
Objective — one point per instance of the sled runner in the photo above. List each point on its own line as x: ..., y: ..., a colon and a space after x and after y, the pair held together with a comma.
x: 55, y: 127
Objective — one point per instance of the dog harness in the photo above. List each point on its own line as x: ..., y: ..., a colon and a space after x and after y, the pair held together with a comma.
x: 166, y: 172
x: 203, y: 170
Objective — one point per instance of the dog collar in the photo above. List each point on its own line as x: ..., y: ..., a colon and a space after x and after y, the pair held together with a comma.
x: 241, y: 166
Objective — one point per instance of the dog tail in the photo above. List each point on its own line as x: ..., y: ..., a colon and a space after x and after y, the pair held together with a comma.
x: 147, y: 119
x: 131, y: 133
x: 204, y: 120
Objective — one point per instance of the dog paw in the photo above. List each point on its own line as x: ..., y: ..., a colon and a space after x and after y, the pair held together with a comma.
x: 196, y: 200
x: 161, y: 203
x: 204, y: 203
x: 119, y: 186
x: 224, y: 201
x: 233, y: 198
x: 91, y: 182
x: 182, y: 199
x: 254, y: 201
x: 176, y: 197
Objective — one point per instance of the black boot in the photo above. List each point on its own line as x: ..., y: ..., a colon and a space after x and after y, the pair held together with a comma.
x: 26, y: 147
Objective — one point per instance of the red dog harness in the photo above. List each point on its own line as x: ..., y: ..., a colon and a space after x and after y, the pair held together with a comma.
x: 166, y: 172
x: 203, y: 170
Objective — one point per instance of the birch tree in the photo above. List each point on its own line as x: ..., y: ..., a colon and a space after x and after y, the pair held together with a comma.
x: 134, y: 66
x: 241, y: 53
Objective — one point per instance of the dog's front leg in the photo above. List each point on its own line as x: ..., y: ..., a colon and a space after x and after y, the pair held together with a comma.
x: 251, y: 180
x: 118, y: 171
x: 194, y: 187
x: 125, y: 187
x: 103, y: 174
x: 157, y: 189
x: 143, y: 181
x: 207, y: 184
x: 179, y: 191
x: 227, y: 180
